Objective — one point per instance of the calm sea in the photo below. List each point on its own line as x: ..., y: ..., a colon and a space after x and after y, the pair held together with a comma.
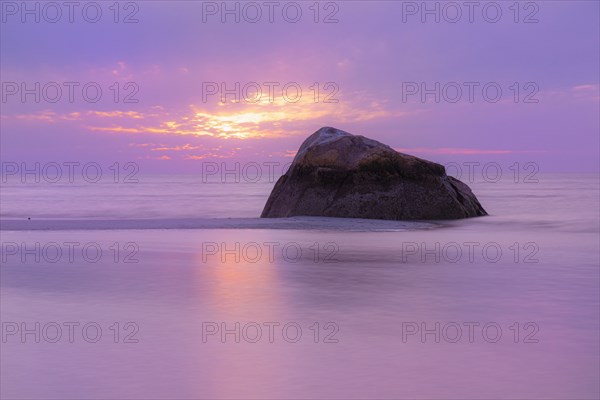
x: 173, y: 288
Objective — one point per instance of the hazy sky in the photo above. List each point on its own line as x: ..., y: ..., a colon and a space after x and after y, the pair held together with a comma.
x: 375, y: 61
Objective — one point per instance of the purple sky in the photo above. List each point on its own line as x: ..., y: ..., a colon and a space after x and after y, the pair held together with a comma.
x: 370, y: 55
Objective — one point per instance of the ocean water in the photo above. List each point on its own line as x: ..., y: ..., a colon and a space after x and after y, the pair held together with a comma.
x: 173, y: 288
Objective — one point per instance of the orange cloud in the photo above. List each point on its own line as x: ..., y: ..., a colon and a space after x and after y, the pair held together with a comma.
x: 176, y: 148
x: 116, y: 114
x: 269, y: 117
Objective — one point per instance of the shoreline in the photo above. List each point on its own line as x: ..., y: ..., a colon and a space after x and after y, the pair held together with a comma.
x: 291, y: 223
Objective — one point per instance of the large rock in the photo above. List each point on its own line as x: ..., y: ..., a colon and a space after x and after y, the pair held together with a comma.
x: 336, y: 174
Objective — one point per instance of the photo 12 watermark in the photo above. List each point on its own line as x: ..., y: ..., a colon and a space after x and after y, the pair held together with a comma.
x: 471, y: 92
x: 474, y: 252
x: 469, y: 332
x: 269, y: 92
x: 68, y: 172
x: 69, y: 92
x: 470, y: 12
x: 254, y: 12
x: 69, y: 252
x: 237, y: 172
x: 270, y: 332
x: 269, y: 252
x: 70, y: 12
x: 494, y: 172
x: 526, y: 172
x: 69, y: 332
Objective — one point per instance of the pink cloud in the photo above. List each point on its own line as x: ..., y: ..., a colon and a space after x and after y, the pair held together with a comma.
x: 454, y: 151
x: 585, y: 87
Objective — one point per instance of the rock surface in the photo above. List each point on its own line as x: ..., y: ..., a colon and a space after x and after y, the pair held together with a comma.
x: 337, y: 174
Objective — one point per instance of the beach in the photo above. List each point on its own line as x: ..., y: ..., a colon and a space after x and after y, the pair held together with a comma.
x: 232, y: 306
